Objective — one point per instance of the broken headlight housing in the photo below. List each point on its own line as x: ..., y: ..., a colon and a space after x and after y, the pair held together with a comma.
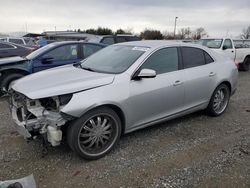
x: 54, y: 103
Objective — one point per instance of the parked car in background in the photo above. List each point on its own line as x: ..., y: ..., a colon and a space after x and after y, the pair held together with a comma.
x: 120, y: 89
x: 228, y: 48
x: 8, y: 49
x: 24, y: 41
x: 49, y: 56
x: 112, y: 39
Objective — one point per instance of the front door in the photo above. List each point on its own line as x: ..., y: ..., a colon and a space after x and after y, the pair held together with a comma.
x: 155, y: 98
x: 62, y: 55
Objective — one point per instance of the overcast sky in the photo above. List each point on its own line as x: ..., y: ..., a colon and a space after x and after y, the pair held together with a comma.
x: 218, y: 17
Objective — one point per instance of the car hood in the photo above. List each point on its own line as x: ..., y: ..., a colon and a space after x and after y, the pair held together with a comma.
x: 60, y: 81
x: 10, y: 60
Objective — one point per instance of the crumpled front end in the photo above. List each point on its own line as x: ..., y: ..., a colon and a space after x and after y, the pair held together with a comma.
x: 39, y: 116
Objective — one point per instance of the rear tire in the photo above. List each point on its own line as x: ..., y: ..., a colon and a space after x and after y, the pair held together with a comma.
x: 6, y: 81
x: 95, y: 133
x: 245, y: 65
x: 219, y: 100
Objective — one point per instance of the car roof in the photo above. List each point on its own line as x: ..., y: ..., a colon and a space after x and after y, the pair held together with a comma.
x: 156, y: 43
x: 77, y: 42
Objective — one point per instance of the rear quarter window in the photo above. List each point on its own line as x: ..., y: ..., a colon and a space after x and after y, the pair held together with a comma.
x: 16, y: 41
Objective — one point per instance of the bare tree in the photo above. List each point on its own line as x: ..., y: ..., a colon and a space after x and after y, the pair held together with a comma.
x: 199, y: 33
x: 246, y: 33
x: 184, y: 33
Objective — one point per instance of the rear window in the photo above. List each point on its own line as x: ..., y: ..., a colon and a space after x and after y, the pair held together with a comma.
x: 120, y: 39
x: 108, y: 40
x: 132, y: 38
x: 192, y: 57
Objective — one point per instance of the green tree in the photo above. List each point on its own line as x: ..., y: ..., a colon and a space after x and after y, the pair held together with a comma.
x: 120, y: 31
x: 149, y: 34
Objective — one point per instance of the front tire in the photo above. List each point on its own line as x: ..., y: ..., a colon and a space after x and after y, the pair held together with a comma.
x: 94, y: 134
x: 219, y: 100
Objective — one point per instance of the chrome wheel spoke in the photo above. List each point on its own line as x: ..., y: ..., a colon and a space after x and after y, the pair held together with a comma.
x: 105, y: 137
x: 86, y: 135
x: 88, y: 129
x: 101, y: 140
x: 92, y: 142
x: 87, y: 141
x: 104, y: 122
x: 99, y: 121
x: 107, y: 127
x: 106, y: 132
x: 92, y: 123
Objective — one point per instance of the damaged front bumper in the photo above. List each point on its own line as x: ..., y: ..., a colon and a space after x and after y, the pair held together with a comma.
x: 34, y: 117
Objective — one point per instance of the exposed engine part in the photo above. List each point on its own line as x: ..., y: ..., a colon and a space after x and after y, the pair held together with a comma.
x: 41, y: 116
x: 54, y: 135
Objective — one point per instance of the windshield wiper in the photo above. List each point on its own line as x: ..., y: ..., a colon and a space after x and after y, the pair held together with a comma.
x: 86, y: 68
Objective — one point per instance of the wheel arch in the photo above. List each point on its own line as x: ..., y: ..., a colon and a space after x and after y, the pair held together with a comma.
x: 116, y: 109
x: 14, y: 70
x: 247, y: 57
x: 227, y: 83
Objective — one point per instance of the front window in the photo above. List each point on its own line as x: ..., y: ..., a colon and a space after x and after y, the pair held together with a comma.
x: 40, y: 51
x: 211, y: 43
x: 163, y: 61
x: 62, y: 53
x: 228, y: 44
x: 113, y: 59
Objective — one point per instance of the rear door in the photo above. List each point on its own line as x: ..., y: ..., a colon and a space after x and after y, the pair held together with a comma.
x: 155, y: 98
x: 62, y: 55
x: 200, y: 76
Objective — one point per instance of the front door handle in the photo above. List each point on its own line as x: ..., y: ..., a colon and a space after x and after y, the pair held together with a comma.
x: 178, y: 82
x: 212, y: 74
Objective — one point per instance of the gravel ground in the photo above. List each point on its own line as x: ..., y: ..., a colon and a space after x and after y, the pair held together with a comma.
x: 193, y: 151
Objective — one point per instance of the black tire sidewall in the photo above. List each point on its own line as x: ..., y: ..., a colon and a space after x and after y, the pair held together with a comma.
x: 210, y: 107
x: 9, y: 78
x: 75, y: 127
x: 245, y: 65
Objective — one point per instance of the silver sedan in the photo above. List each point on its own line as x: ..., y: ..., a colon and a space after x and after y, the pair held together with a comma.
x: 120, y: 89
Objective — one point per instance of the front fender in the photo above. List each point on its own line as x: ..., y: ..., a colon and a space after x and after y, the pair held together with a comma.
x: 21, y: 66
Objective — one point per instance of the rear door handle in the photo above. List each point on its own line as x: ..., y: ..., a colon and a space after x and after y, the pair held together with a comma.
x: 212, y: 74
x: 177, y: 83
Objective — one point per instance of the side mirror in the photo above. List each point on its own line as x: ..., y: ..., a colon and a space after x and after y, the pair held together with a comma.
x: 146, y: 73
x: 224, y: 47
x: 47, y: 60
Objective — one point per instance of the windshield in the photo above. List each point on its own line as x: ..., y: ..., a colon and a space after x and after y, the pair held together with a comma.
x: 113, y: 59
x: 210, y: 43
x: 39, y: 51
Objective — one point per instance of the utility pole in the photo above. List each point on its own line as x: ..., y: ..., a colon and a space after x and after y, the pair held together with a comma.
x: 175, y: 20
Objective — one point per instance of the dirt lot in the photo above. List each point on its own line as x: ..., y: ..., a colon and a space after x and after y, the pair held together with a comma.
x: 193, y: 151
